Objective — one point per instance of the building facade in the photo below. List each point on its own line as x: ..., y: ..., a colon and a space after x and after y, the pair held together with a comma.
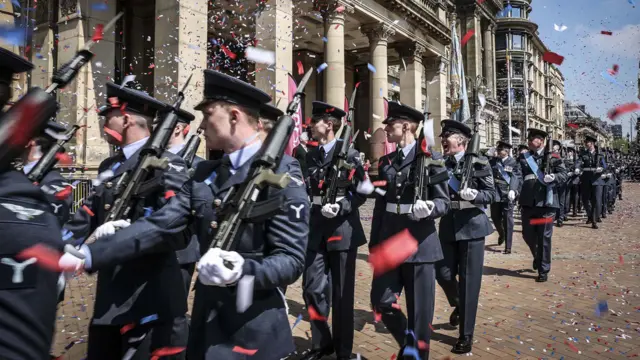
x: 536, y: 87
x: 580, y: 123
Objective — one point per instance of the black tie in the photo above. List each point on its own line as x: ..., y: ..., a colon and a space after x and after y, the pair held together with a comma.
x: 323, y: 153
x: 400, y: 157
x: 223, y: 172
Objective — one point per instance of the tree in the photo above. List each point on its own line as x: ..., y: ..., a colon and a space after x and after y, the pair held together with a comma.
x: 621, y: 144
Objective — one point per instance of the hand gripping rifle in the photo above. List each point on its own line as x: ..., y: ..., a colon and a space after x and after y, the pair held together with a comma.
x: 135, y: 183
x: 547, y: 169
x: 190, y: 150
x: 472, y: 155
x: 50, y: 159
x: 241, y: 204
x: 424, y: 160
x: 339, y: 160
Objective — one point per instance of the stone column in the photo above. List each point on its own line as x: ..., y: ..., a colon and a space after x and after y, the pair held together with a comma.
x: 378, y: 35
x: 493, y: 61
x: 181, y: 49
x: 489, y: 56
x: 473, y: 47
x: 436, y: 71
x: 334, y: 54
x: 411, y: 79
x: 274, y: 31
x: 78, y: 101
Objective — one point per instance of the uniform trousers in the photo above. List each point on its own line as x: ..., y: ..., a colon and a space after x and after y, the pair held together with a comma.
x: 464, y: 258
x: 560, y: 212
x: 538, y: 235
x: 502, y: 216
x: 419, y: 282
x: 141, y: 342
x: 592, y: 200
x: 328, y: 284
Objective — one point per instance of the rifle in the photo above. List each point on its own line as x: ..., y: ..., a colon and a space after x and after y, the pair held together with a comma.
x: 132, y: 183
x: 190, y: 150
x: 422, y: 180
x: 50, y: 159
x: 472, y: 155
x: 240, y: 205
x: 546, y: 167
x: 339, y: 160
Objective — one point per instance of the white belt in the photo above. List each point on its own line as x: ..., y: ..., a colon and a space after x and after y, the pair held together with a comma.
x: 399, y: 208
x: 531, y: 177
x: 460, y: 205
x: 589, y: 169
x: 317, y: 200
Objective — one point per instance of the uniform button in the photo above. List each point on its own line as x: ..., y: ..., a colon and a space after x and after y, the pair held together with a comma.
x: 107, y: 206
x: 108, y: 185
x: 398, y: 185
x: 398, y: 197
x: 214, y: 224
x: 217, y: 202
x: 193, y: 212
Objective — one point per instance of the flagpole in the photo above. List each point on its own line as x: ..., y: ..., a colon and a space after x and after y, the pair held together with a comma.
x: 526, y: 94
x: 509, y: 93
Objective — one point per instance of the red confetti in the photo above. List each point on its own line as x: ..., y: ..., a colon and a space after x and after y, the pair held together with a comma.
x: 393, y: 357
x: 541, y: 221
x: 604, y: 32
x: 614, y: 71
x: 169, y: 194
x: 97, y: 35
x: 243, y: 351
x: 320, y: 184
x: 126, y: 328
x: 553, y: 58
x: 167, y: 351
x: 47, y: 257
x: 314, y: 315
x: 621, y: 260
x: 152, y: 66
x: 351, y: 173
x: 392, y: 252
x: 63, y: 194
x: 334, y: 238
x: 64, y: 158
x: 114, y: 101
x: 422, y: 345
x: 228, y: 52
x: 396, y: 306
x: 86, y: 208
x: 480, y: 2
x: 340, y: 9
x: 186, y: 130
x: 623, y: 109
x: 300, y: 67
x: 377, y: 317
x: 571, y: 346
x: 467, y: 37
x: 312, y: 143
x: 573, y: 126
x: 114, y: 134
x: 380, y: 183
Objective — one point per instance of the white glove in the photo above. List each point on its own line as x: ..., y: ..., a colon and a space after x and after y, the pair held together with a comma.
x: 617, y: 171
x: 365, y: 187
x: 213, y: 272
x: 422, y: 209
x: 576, y: 171
x: 599, y: 169
x: 468, y: 194
x: 511, y: 195
x: 71, y: 264
x: 549, y: 178
x: 330, y: 210
x: 110, y: 227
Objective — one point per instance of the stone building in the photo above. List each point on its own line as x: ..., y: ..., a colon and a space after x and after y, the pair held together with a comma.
x: 394, y: 49
x: 580, y: 123
x: 517, y: 41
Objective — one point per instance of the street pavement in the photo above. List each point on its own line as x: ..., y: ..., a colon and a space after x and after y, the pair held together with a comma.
x: 589, y: 308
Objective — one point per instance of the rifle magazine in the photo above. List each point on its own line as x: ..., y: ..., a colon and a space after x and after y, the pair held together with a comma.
x: 263, y: 210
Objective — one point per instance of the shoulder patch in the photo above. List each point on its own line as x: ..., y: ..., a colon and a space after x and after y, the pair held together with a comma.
x: 22, y: 212
x: 176, y: 167
x: 17, y: 274
x: 297, y: 212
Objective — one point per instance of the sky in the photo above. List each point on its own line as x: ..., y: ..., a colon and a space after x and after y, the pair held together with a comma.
x: 588, y: 53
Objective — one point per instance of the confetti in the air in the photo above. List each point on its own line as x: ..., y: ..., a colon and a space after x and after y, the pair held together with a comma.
x: 467, y: 37
x: 260, y: 56
x: 392, y: 252
x: 560, y: 28
x: 553, y: 58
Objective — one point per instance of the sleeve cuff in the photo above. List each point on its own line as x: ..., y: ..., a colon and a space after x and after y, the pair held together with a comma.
x: 87, y: 253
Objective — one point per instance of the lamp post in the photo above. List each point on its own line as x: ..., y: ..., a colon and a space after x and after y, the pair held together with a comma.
x: 478, y: 85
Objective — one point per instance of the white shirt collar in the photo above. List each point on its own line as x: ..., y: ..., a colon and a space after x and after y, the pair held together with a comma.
x: 328, y: 146
x: 241, y: 156
x: 459, y: 155
x: 131, y: 149
x: 505, y: 158
x: 407, y: 148
x: 29, y: 166
x: 176, y: 148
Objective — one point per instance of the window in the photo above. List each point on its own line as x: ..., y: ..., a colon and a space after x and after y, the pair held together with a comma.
x: 516, y: 12
x: 501, y: 69
x: 517, y: 69
x: 517, y: 41
x: 501, y: 41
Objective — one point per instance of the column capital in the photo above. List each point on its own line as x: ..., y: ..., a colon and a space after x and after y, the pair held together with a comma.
x: 377, y: 32
x: 413, y: 51
x: 328, y: 7
x: 437, y: 63
x: 492, y: 27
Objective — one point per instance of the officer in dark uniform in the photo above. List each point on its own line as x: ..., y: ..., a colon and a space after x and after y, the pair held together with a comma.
x: 620, y: 169
x: 507, y: 177
x: 143, y: 287
x: 336, y: 232
x: 559, y: 149
x: 269, y: 114
x: 300, y: 153
x: 396, y: 211
x: 271, y: 252
x: 591, y: 164
x: 28, y: 288
x: 610, y: 186
x: 56, y: 187
x: 462, y: 232
x: 572, y: 193
x: 539, y: 200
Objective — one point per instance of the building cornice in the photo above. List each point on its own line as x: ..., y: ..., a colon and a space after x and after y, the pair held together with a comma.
x: 424, y: 13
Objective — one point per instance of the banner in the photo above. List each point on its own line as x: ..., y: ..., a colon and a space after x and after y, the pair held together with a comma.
x: 294, y: 140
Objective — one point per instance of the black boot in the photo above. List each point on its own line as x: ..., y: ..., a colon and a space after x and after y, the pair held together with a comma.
x: 463, y: 346
x: 454, y: 319
x: 542, y: 278
x: 317, y: 354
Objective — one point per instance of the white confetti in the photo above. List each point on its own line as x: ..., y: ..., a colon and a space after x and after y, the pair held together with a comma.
x: 244, y: 297
x: 260, y: 56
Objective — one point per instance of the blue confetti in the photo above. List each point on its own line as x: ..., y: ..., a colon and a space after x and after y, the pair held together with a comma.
x: 325, y: 39
x: 297, y: 321
x: 148, y: 211
x: 39, y: 56
x: 16, y: 3
x: 381, y: 94
x: 411, y: 351
x: 115, y: 166
x: 611, y: 79
x: 148, y: 319
x: 602, y: 308
x: 632, y: 2
x: 12, y: 35
x: 371, y: 68
x: 66, y: 234
x: 322, y: 67
x: 100, y: 7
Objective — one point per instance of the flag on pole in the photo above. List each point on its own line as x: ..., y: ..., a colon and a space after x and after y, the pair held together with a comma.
x: 294, y: 140
x: 459, y: 97
x: 388, y: 147
x: 346, y: 108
